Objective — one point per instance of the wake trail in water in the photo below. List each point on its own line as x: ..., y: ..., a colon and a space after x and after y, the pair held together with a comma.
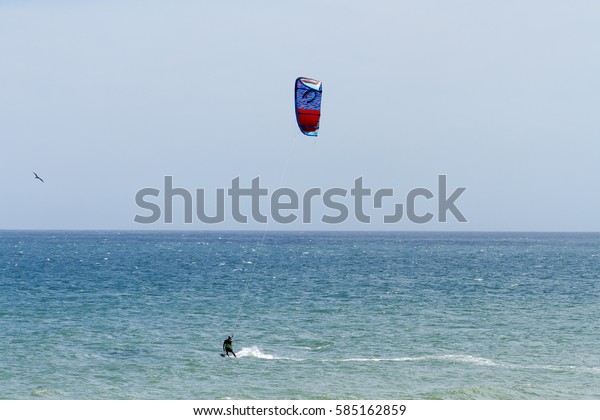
x: 256, y: 353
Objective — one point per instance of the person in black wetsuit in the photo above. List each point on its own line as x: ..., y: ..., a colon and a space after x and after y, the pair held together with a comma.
x: 227, y: 346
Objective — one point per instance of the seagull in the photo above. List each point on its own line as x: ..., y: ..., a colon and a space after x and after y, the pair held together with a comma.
x: 37, y: 177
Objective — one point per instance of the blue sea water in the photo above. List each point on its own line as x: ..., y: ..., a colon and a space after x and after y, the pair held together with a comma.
x: 142, y: 315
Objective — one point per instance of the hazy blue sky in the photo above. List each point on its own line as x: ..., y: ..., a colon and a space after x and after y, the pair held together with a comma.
x: 103, y: 98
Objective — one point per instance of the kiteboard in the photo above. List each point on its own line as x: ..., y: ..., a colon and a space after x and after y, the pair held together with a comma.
x: 222, y: 354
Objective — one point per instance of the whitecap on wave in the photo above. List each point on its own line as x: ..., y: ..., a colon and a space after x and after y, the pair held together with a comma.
x: 466, y: 358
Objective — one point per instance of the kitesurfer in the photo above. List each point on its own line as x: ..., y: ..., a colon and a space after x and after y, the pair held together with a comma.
x: 227, y: 346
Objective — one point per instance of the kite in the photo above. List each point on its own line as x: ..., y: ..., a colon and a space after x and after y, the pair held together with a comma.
x: 308, y: 94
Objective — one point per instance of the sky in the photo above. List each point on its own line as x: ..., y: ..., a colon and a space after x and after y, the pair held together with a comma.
x: 105, y: 98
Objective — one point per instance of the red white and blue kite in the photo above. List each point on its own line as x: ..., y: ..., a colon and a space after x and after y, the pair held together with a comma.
x: 308, y: 94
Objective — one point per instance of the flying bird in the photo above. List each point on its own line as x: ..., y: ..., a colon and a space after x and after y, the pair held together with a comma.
x: 37, y: 177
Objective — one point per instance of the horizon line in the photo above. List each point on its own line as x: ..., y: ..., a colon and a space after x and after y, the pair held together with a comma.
x: 287, y: 231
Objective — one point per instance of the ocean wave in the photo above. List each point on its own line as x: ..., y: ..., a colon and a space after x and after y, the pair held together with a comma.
x: 572, y: 368
x: 479, y: 361
x: 466, y: 358
x: 44, y: 393
x: 457, y: 358
x: 316, y: 347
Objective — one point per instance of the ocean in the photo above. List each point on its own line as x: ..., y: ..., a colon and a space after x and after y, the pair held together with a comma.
x: 395, y: 316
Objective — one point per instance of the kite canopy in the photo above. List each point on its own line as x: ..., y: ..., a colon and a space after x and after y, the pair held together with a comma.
x: 308, y: 105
